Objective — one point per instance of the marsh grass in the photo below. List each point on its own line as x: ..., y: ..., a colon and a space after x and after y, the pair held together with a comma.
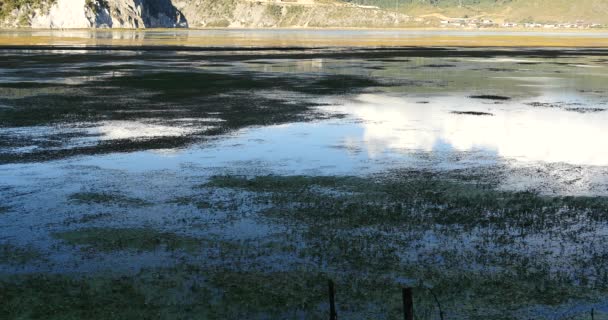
x: 87, y: 218
x: 17, y: 255
x: 140, y: 239
x: 187, y: 291
x: 200, y: 204
x: 366, y: 225
x: 107, y: 199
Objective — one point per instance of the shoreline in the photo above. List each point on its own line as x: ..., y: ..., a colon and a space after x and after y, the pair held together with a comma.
x: 302, y: 38
x: 522, y: 30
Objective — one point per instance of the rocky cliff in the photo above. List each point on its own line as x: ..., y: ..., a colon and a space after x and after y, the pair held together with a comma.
x: 194, y: 13
x: 97, y: 14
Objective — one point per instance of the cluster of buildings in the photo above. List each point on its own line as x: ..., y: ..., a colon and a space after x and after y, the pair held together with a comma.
x: 577, y: 25
x: 470, y: 23
x: 489, y: 23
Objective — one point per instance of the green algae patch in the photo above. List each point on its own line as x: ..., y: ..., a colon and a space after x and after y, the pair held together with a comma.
x: 106, y: 198
x: 140, y: 239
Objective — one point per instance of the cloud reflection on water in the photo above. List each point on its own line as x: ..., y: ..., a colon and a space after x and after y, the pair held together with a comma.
x: 513, y: 131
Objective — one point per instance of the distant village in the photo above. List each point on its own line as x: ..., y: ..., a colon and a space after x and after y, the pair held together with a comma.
x: 489, y: 23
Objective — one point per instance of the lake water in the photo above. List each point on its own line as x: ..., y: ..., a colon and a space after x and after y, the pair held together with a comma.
x: 304, y: 37
x: 131, y: 138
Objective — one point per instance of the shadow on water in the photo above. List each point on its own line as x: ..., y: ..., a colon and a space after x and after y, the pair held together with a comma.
x: 210, y: 103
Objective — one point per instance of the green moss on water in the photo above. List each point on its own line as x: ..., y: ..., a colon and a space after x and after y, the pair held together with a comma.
x: 141, y: 239
x: 107, y: 198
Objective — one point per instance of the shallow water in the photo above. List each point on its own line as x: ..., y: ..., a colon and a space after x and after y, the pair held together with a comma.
x: 304, y: 37
x: 155, y: 127
x: 419, y: 112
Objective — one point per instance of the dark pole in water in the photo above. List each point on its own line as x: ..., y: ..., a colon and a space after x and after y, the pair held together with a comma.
x: 408, y: 304
x: 592, y: 314
x: 332, y: 303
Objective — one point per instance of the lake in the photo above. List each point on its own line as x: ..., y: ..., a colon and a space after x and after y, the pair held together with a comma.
x: 233, y: 182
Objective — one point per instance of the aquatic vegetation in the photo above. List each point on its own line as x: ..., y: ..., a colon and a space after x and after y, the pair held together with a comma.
x: 365, y: 225
x: 201, y: 204
x: 284, y: 184
x: 575, y: 107
x: 142, y: 239
x: 87, y: 218
x: 489, y: 97
x: 16, y: 255
x: 472, y: 113
x: 107, y: 199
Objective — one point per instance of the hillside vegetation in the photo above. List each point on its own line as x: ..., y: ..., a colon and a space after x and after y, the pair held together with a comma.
x: 543, y: 11
x: 335, y: 13
x: 7, y: 6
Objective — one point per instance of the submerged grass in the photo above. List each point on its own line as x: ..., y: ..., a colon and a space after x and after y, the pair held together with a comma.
x: 140, y: 239
x: 459, y: 235
x: 284, y: 184
x: 183, y: 201
x: 454, y: 237
x: 184, y: 292
x: 107, y: 199
x: 414, y: 200
x: 16, y: 255
x: 188, y: 291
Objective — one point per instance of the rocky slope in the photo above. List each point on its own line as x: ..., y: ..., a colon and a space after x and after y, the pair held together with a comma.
x: 92, y: 13
x: 196, y: 13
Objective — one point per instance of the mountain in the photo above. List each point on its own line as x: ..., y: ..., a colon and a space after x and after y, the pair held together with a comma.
x: 193, y: 13
x: 290, y: 13
x: 541, y: 11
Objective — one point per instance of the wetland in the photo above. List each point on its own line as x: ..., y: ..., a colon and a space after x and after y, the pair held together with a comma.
x: 233, y: 183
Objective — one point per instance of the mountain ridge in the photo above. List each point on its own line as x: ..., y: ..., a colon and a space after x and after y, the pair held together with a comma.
x: 297, y: 13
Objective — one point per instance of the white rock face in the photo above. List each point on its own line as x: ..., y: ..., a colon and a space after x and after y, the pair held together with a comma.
x: 63, y: 14
x: 110, y: 14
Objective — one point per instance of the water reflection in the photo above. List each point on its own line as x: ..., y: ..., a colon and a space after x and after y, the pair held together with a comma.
x: 511, y: 130
x: 287, y: 37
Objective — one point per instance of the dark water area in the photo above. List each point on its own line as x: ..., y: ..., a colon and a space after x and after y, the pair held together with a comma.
x: 231, y: 184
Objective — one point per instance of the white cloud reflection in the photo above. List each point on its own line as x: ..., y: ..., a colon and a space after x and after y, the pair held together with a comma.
x: 515, y: 131
x: 110, y: 130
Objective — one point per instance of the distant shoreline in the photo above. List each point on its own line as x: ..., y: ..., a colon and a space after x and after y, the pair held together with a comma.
x: 298, y: 37
x: 445, y: 29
